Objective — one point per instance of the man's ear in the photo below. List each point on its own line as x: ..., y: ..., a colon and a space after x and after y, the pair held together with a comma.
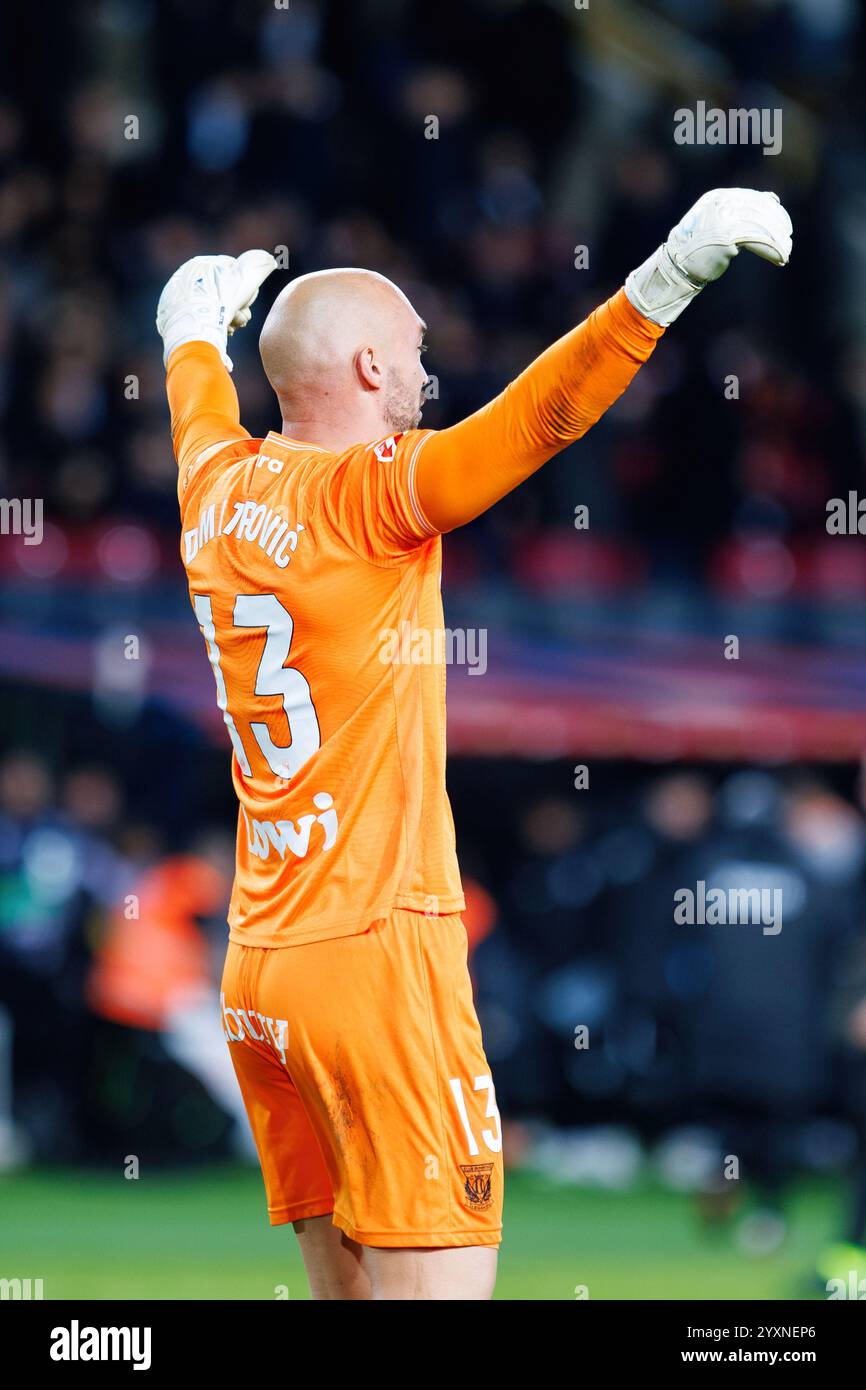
x: 368, y: 369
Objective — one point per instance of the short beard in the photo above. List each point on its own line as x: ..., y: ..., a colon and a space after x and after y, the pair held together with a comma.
x: 402, y: 407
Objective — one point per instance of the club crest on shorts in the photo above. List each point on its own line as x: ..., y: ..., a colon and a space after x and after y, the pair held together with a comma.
x: 477, y: 1185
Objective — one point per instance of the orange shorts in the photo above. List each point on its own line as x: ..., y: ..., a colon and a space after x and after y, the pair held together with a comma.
x: 364, y: 1077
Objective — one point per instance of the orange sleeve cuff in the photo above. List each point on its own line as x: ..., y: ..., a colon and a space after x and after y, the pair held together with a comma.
x: 634, y: 332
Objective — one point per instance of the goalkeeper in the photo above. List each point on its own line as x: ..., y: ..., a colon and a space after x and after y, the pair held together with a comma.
x: 346, y: 1000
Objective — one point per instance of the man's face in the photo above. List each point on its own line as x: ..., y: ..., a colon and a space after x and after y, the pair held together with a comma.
x: 404, y: 392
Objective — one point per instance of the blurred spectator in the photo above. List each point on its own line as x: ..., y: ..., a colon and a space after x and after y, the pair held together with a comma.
x: 57, y: 874
x: 158, y: 964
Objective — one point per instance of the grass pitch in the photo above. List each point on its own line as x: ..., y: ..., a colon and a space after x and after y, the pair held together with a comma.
x: 203, y: 1235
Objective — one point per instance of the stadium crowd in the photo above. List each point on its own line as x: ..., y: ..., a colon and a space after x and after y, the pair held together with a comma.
x: 481, y: 166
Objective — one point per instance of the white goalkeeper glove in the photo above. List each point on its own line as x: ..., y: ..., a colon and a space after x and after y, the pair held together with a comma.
x: 208, y: 298
x: 701, y: 247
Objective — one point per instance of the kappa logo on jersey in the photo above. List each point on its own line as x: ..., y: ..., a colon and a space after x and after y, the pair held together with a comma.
x: 387, y: 449
x: 477, y: 1185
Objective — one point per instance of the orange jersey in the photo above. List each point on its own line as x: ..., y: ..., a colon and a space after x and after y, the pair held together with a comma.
x: 315, y: 579
x: 302, y: 567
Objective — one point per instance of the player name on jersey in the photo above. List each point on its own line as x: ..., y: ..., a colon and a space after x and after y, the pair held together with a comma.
x: 267, y: 527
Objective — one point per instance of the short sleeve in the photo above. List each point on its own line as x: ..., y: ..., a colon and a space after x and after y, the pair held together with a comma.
x: 369, y: 499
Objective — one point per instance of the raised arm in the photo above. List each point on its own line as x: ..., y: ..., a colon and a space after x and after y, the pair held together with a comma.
x: 203, y: 402
x: 462, y: 471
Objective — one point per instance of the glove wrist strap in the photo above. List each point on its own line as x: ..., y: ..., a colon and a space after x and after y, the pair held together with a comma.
x: 187, y: 327
x: 659, y: 289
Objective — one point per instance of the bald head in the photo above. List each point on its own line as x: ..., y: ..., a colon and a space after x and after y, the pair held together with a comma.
x: 341, y: 349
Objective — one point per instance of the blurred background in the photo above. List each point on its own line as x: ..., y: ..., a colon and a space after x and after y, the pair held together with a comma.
x: 133, y: 136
